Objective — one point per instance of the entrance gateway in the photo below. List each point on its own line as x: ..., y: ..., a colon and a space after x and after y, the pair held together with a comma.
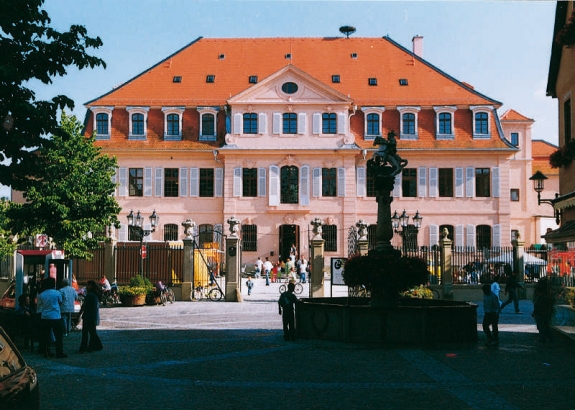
x: 288, y: 235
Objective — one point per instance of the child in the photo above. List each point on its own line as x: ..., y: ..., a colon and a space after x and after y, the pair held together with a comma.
x: 250, y: 285
x: 491, y: 317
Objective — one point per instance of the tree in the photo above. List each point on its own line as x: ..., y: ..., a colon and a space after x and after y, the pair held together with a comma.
x: 7, y: 242
x: 31, y: 51
x: 73, y: 203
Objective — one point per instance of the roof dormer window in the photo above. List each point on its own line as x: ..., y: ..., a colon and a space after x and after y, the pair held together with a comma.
x: 253, y: 79
x: 210, y: 78
x: 221, y: 56
x: 288, y: 56
x: 177, y: 79
x: 335, y: 78
x: 354, y: 55
x: 403, y: 81
x: 372, y: 81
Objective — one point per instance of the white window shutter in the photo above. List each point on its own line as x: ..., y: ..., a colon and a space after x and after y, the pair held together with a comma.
x: 316, y: 123
x: 316, y: 184
x: 277, y: 122
x: 301, y: 121
x: 219, y: 188
x: 183, y: 181
x: 237, y: 182
x: 433, y: 191
x: 262, y: 182
x: 304, y: 186
x: 495, y: 182
x: 238, y: 123
x: 422, y: 182
x: 496, y: 231
x: 470, y: 183
x: 194, y: 182
x: 123, y: 233
x: 397, y: 186
x: 274, y: 197
x: 459, y: 238
x: 341, y: 123
x: 158, y: 182
x: 123, y: 188
x: 341, y: 182
x: 113, y: 179
x: 360, y: 188
x: 433, y: 235
x: 262, y: 123
x: 147, y: 181
x: 470, y: 241
x: 459, y: 183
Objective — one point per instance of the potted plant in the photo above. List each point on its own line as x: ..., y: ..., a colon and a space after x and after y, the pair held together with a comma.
x: 134, y: 294
x: 569, y: 296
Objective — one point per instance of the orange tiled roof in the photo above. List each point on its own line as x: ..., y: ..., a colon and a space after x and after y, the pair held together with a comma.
x: 540, y: 153
x: 512, y: 115
x: 381, y: 58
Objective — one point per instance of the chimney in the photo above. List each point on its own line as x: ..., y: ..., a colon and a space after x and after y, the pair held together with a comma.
x: 418, y: 45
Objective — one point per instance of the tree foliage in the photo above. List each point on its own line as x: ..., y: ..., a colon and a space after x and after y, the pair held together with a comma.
x: 73, y: 202
x: 7, y: 242
x: 32, y: 51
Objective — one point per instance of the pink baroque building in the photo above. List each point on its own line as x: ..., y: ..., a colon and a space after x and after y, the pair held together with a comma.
x: 278, y: 131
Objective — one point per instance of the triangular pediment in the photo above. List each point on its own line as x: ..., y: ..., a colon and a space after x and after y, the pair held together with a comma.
x: 309, y: 90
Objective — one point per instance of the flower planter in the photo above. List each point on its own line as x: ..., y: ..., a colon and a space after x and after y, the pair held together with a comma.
x: 130, y: 301
x: 410, y: 322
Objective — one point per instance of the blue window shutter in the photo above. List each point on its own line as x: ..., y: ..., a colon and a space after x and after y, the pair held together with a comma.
x: 237, y: 182
x: 123, y: 176
x: 274, y: 197
x: 341, y: 182
x: 183, y: 181
x: 316, y: 123
x: 304, y: 186
x: 341, y: 123
x: 147, y: 181
x: 422, y: 182
x: 301, y: 120
x: 237, y: 123
x: 262, y: 182
x: 277, y: 123
x: 459, y: 183
x: 316, y: 190
x: 158, y: 182
x: 470, y: 184
x: 194, y: 182
x: 495, y: 182
x: 262, y: 123
x: 433, y: 182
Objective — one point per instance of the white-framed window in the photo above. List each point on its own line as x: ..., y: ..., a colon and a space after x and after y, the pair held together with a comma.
x: 372, y: 122
x: 173, y: 117
x: 481, y: 121
x: 408, y: 122
x: 514, y: 138
x: 138, y: 122
x: 102, y: 122
x: 208, y: 123
x: 444, y: 122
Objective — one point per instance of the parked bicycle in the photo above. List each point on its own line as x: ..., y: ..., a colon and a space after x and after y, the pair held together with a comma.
x: 111, y: 297
x: 166, y: 294
x: 211, y: 292
x: 298, y: 286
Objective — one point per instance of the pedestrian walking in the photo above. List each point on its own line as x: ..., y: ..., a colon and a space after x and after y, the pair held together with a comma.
x: 286, y: 305
x: 90, y: 314
x: 543, y: 309
x: 259, y: 266
x: 51, y: 321
x: 511, y: 290
x: 69, y: 297
x: 267, y: 269
x: 302, y: 269
x: 496, y: 288
x: 491, y: 315
x: 249, y: 285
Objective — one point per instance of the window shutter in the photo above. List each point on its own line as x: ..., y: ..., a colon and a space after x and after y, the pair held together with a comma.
x: 495, y: 182
x: 301, y: 119
x: 237, y: 182
x: 158, y: 188
x: 459, y: 239
x: 262, y: 182
x: 496, y: 231
x: 113, y: 179
x: 341, y: 123
x: 316, y: 190
x: 123, y: 188
x: 183, y: 181
x: 469, y: 184
x: 274, y: 197
x: 194, y: 182
x: 360, y: 187
x: 470, y: 236
x: 459, y: 184
x: 277, y: 121
x: 422, y: 184
x: 397, y: 186
x: 433, y: 182
x: 262, y: 123
x: 341, y: 182
x: 147, y: 181
x: 433, y: 235
x: 316, y: 123
x: 218, y: 234
x: 238, y: 123
x: 123, y: 233
x: 219, y: 189
x: 304, y: 186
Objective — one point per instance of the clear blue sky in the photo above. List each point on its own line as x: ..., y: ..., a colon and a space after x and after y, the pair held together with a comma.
x: 502, y: 48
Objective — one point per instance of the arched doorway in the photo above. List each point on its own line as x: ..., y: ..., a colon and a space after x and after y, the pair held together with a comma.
x: 288, y: 235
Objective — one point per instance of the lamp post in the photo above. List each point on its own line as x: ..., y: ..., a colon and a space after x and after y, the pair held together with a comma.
x: 538, y: 179
x: 408, y: 232
x: 135, y: 224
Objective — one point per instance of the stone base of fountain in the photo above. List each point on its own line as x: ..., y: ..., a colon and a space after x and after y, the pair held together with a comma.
x: 410, y: 322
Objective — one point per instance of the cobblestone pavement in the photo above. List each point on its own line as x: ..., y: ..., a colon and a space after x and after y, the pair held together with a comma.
x: 205, y: 355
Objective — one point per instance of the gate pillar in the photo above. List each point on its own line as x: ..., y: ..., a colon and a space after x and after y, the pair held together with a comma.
x: 233, y: 262
x: 188, y: 263
x: 317, y: 260
x: 109, y: 260
x: 446, y: 265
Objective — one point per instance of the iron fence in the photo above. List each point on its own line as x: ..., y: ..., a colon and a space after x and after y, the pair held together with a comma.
x: 92, y: 269
x: 163, y: 262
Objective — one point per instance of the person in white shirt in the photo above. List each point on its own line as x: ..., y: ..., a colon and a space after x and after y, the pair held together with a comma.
x: 69, y: 296
x: 259, y: 266
x: 49, y: 301
x: 267, y: 269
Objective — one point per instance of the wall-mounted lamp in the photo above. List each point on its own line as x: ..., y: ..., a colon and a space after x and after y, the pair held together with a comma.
x: 538, y: 179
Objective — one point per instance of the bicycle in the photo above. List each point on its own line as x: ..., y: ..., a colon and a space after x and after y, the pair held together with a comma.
x: 166, y: 295
x: 211, y: 292
x: 298, y: 286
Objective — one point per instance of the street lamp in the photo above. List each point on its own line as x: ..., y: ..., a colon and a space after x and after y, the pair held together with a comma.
x: 538, y: 179
x: 408, y: 232
x: 135, y: 224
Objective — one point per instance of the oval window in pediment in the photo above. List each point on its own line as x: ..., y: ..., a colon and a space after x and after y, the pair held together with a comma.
x: 289, y: 88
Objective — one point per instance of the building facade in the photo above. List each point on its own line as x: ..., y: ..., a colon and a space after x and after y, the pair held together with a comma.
x: 278, y: 131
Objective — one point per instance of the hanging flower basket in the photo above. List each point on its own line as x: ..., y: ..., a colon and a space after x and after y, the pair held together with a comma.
x: 566, y: 36
x: 563, y: 156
